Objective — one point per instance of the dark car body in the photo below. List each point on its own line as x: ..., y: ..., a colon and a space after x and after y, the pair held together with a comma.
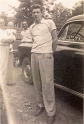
x: 68, y: 57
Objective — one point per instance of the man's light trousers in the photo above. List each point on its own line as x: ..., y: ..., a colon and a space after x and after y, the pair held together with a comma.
x: 43, y: 79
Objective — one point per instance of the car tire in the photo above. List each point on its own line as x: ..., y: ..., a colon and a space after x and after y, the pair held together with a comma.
x: 26, y: 71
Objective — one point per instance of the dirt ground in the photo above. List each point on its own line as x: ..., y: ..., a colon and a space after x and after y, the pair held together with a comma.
x: 19, y: 105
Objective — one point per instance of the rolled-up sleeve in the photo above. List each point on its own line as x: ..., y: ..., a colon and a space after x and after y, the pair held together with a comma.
x: 52, y: 25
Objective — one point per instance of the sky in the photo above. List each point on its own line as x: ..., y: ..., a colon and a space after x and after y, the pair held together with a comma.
x: 4, y: 5
x: 68, y: 3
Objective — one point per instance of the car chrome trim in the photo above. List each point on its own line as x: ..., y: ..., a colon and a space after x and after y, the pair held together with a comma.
x: 67, y: 48
x: 69, y: 90
x: 70, y: 48
x: 75, y: 20
x: 68, y: 41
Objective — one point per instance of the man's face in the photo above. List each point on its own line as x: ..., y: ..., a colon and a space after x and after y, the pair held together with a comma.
x: 24, y: 25
x: 37, y: 14
x: 2, y: 22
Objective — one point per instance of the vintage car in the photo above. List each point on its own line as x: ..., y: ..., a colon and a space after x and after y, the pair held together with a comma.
x: 68, y: 57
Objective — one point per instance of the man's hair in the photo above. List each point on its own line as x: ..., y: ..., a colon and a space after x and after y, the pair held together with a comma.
x: 37, y: 6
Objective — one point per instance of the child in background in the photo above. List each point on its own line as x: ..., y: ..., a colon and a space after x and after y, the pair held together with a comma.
x: 11, y: 32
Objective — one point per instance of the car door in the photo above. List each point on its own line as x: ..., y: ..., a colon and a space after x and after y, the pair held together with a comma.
x: 68, y: 57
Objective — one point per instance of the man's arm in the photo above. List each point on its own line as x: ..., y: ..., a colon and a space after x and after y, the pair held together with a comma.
x: 3, y: 40
x: 55, y: 39
x: 6, y: 38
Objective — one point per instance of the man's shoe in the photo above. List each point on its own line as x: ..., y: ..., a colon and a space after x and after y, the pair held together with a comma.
x: 39, y: 110
x: 51, y: 119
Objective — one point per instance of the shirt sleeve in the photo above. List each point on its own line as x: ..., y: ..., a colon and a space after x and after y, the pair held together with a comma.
x: 52, y: 25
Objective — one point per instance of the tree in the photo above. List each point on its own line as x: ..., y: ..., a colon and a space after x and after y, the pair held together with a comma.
x: 4, y: 16
x: 78, y: 8
x: 24, y: 11
x: 58, y: 12
x: 51, y: 9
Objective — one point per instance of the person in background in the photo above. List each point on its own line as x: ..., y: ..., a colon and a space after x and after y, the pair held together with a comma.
x: 11, y: 32
x: 44, y: 36
x: 25, y: 33
x: 5, y: 40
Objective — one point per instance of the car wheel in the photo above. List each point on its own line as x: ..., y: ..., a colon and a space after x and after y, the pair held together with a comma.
x: 26, y: 71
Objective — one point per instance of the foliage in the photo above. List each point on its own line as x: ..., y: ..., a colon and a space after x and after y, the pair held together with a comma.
x: 51, y: 9
x: 61, y: 13
x: 6, y: 18
x: 57, y: 12
x: 78, y: 8
x: 24, y: 11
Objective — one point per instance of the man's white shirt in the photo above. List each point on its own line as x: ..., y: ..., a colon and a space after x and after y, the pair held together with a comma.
x: 41, y: 35
x: 25, y: 36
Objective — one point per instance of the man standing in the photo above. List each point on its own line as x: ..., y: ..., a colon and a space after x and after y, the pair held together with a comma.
x: 11, y: 32
x: 44, y: 35
x: 4, y: 52
x: 25, y: 33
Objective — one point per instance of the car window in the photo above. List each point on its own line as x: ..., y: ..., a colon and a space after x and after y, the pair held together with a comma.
x: 73, y: 32
x: 63, y: 33
x: 82, y: 31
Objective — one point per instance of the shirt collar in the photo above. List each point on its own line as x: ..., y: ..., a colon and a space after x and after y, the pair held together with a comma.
x: 42, y: 20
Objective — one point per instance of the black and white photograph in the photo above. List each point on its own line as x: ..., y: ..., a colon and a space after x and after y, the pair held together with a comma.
x: 41, y: 61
